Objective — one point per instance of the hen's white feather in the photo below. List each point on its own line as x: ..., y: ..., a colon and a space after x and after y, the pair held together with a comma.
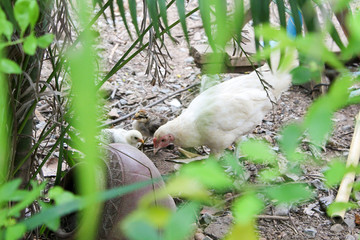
x: 221, y: 114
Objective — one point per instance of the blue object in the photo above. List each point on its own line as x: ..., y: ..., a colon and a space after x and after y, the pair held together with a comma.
x: 290, y: 26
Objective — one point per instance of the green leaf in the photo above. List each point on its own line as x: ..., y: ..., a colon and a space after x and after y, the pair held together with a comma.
x: 8, y: 189
x: 30, y: 45
x: 258, y: 151
x: 269, y: 175
x: 336, y: 207
x: 300, y: 75
x: 296, y: 16
x: 133, y: 14
x: 289, y: 193
x: 120, y: 4
x: 9, y: 67
x: 290, y: 139
x: 239, y: 19
x: 52, y: 224
x: 60, y: 196
x: 153, y: 12
x: 181, y: 223
x: 208, y: 172
x: 163, y: 12
x: 181, y: 11
x: 26, y: 13
x: 335, y: 173
x: 140, y: 230
x: 45, y: 40
x: 204, y: 7
x: 281, y: 9
x: 15, y: 232
x: 318, y: 120
x: 247, y: 207
x: 6, y: 28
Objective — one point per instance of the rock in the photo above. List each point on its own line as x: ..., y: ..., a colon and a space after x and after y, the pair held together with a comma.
x: 326, y: 201
x: 349, y: 220
x: 123, y: 101
x: 174, y: 102
x: 189, y: 60
x: 350, y: 237
x: 206, y: 218
x: 308, y: 210
x: 337, y: 228
x: 281, y: 210
x: 113, y: 113
x: 310, y: 232
x: 318, y: 184
x: 220, y: 227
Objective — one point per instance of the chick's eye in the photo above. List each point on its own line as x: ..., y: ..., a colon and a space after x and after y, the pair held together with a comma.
x: 163, y: 140
x: 136, y: 138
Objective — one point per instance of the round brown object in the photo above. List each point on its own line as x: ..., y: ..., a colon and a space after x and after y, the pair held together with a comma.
x: 125, y: 165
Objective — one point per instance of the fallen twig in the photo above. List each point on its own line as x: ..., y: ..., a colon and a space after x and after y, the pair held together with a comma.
x: 273, y: 217
x: 348, y: 179
x: 150, y: 105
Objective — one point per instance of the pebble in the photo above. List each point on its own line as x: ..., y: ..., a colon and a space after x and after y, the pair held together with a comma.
x: 326, y: 201
x: 206, y: 218
x: 281, y: 210
x: 123, y: 101
x: 350, y: 237
x: 219, y: 228
x: 350, y: 221
x: 337, y: 228
x: 318, y: 184
x: 189, y: 60
x: 311, y: 232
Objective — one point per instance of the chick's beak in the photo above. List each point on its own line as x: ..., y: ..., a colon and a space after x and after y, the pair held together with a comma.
x: 141, y: 141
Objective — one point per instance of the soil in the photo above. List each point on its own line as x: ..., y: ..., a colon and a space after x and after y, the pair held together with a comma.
x: 131, y: 90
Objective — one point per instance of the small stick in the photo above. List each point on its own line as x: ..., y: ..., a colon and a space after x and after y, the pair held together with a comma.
x: 348, y: 179
x: 148, y: 106
x: 272, y: 217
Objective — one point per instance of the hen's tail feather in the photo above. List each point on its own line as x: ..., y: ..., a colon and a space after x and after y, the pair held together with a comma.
x: 281, y: 79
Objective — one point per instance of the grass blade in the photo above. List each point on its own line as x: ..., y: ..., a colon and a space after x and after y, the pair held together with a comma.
x: 133, y: 14
x: 281, y: 9
x: 296, y: 16
x: 153, y: 12
x: 180, y: 4
x: 204, y: 7
x: 120, y: 4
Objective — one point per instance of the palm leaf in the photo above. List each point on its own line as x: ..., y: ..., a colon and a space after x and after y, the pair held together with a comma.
x: 181, y: 11
x: 120, y: 4
x: 133, y: 14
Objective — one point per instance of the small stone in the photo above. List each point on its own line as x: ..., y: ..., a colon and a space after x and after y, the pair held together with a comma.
x: 350, y: 221
x: 129, y: 92
x: 175, y: 103
x: 337, y: 228
x: 310, y: 232
x: 113, y: 113
x: 326, y: 201
x: 189, y: 60
x: 220, y: 227
x: 281, y: 210
x: 350, y: 237
x: 318, y: 184
x: 309, y: 209
x: 199, y: 236
x: 206, y: 218
x: 123, y: 101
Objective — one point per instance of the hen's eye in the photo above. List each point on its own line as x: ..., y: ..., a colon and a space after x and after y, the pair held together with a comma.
x: 163, y: 140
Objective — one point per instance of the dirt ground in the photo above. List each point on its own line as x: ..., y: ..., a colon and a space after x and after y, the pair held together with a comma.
x: 131, y: 90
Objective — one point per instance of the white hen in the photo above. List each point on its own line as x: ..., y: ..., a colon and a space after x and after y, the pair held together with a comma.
x: 119, y: 135
x: 221, y: 114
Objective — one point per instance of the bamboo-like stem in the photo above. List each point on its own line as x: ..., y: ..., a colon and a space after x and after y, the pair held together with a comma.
x: 348, y: 179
